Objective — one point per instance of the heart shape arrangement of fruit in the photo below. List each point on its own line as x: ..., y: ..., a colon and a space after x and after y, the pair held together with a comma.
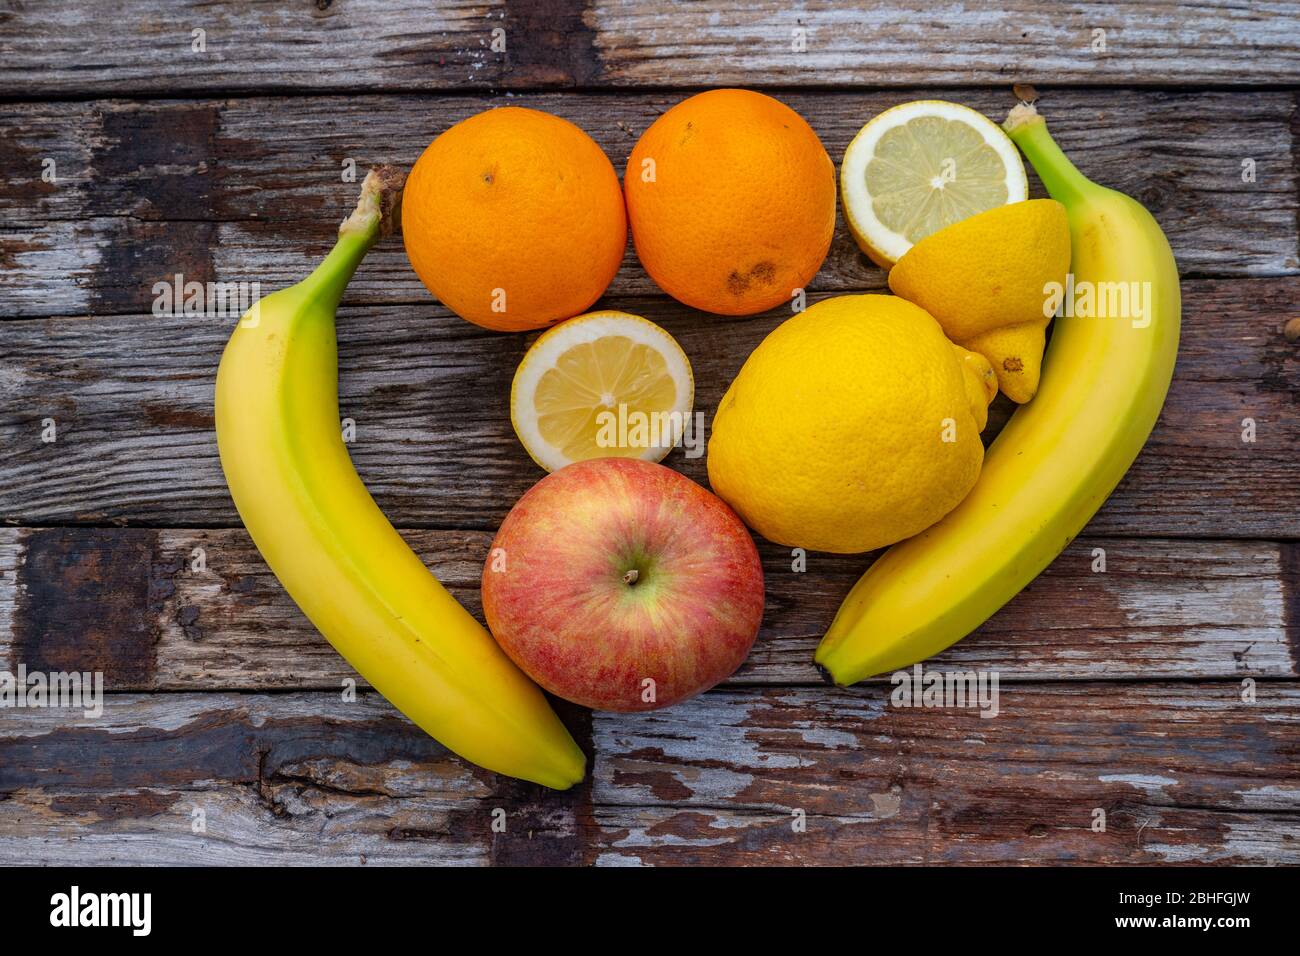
x: 620, y: 584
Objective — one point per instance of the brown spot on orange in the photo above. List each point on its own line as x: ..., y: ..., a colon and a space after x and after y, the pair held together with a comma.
x: 764, y: 273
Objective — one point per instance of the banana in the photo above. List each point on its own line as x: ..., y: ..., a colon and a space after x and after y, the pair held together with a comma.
x: 332, y: 548
x: 1104, y: 382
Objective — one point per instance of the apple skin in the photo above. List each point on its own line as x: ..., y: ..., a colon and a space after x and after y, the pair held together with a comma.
x: 557, y: 601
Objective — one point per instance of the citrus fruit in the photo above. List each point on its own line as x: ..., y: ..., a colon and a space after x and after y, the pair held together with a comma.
x: 602, y: 385
x: 1015, y: 353
x: 853, y: 425
x: 921, y: 166
x: 986, y: 280
x: 980, y: 381
x: 731, y: 199
x: 514, y: 219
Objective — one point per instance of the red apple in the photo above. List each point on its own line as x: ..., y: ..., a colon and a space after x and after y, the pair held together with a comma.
x: 620, y: 584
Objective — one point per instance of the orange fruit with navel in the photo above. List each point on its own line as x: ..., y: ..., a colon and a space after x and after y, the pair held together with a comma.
x: 514, y: 219
x: 731, y: 200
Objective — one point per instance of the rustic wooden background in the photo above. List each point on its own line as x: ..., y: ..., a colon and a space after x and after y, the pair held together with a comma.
x: 1121, y: 691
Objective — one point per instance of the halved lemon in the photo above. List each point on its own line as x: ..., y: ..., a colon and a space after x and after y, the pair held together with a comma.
x: 602, y: 385
x: 921, y: 166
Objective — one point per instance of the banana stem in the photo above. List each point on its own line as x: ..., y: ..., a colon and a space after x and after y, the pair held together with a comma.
x: 381, y: 198
x: 1028, y: 130
x: 375, y: 216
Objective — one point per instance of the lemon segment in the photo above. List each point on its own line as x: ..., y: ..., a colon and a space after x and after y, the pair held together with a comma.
x: 921, y: 166
x: 605, y: 384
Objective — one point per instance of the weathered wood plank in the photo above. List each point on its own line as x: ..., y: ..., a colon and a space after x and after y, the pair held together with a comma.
x: 291, y: 780
x: 885, y: 784
x: 141, y: 46
x: 183, y: 610
x: 976, y: 832
x: 902, y: 42
x: 131, y: 399
x: 216, y: 192
x: 145, y: 46
x: 300, y: 779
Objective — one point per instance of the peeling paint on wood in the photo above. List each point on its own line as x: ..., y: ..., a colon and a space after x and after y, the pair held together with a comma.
x: 213, y: 191
x: 1164, y: 609
x: 772, y: 767
x: 297, y: 779
x: 427, y: 392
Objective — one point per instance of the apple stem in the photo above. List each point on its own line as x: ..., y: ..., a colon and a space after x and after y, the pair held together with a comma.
x: 631, y: 576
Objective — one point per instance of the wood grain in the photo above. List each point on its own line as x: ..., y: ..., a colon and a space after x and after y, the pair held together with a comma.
x: 137, y: 46
x: 131, y: 398
x: 301, y: 779
x: 902, y: 42
x: 1162, y: 692
x: 251, y: 190
x: 191, y: 610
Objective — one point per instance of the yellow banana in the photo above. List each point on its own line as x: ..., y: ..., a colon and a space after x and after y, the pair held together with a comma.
x: 1104, y: 381
x: 334, y: 551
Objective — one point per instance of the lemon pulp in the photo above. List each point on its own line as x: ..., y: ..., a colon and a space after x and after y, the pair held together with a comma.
x: 932, y: 172
x: 605, y: 384
x: 594, y: 378
x: 919, y: 167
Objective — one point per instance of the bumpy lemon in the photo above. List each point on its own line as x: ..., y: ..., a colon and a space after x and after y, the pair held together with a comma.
x: 987, y: 279
x: 853, y: 425
x: 1015, y: 354
x: 602, y: 385
x: 921, y: 166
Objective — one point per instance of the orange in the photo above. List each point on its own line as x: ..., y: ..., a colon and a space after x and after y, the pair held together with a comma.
x: 514, y: 219
x: 731, y: 198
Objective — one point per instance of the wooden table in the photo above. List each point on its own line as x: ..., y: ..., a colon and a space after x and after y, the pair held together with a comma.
x: 1164, y: 691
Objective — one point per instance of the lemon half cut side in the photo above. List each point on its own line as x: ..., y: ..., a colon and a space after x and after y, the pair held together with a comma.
x: 921, y: 166
x: 604, y: 384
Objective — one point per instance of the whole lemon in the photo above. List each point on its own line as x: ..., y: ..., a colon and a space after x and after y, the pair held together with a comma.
x: 853, y: 425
